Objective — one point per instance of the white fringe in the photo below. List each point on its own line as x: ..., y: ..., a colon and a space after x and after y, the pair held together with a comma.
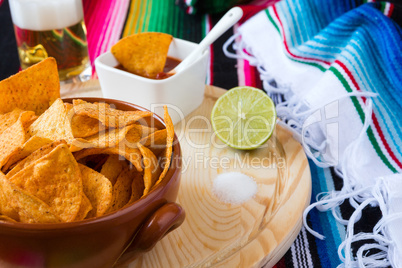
x: 293, y: 114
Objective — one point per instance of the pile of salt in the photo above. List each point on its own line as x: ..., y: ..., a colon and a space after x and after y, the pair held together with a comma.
x: 234, y: 187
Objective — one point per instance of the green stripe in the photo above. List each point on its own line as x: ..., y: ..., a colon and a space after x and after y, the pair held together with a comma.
x: 360, y: 111
x: 322, y: 68
x: 272, y: 20
x: 383, y: 5
x: 204, y: 22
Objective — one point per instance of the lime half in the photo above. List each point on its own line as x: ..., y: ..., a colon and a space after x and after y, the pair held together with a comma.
x: 244, y: 117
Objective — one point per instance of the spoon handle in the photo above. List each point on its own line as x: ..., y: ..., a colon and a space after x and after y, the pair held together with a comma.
x: 227, y: 21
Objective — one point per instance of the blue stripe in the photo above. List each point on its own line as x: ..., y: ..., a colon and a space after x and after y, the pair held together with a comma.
x: 326, y: 224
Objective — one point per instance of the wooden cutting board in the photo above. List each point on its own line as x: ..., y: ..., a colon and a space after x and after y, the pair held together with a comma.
x: 255, y: 233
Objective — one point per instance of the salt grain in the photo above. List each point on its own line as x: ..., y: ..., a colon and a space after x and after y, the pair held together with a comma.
x: 234, y: 187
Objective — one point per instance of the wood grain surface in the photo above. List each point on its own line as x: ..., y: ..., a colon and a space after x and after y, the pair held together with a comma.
x: 253, y: 234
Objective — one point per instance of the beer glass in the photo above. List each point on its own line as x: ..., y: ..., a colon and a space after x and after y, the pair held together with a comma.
x: 52, y: 28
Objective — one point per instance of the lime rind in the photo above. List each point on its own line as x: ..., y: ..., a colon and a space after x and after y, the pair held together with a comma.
x: 244, y: 118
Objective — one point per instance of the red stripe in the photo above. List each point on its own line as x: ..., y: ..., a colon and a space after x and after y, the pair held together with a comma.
x: 384, y: 141
x: 287, y: 47
x: 343, y: 66
x: 391, y: 10
x: 374, y: 117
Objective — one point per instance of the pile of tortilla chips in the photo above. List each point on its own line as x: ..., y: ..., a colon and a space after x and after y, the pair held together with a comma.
x: 143, y: 54
x: 64, y: 162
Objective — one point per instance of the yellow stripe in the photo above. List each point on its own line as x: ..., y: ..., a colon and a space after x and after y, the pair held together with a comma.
x: 144, y: 14
x: 133, y: 15
x: 147, y: 16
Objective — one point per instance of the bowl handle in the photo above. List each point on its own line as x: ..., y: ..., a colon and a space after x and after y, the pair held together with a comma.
x: 162, y: 221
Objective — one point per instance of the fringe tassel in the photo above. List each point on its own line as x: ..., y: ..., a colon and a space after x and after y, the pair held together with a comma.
x: 293, y: 115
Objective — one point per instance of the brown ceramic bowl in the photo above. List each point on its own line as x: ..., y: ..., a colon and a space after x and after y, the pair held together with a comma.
x: 101, y: 241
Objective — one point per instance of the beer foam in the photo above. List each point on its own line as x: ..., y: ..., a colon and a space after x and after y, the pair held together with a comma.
x: 44, y: 15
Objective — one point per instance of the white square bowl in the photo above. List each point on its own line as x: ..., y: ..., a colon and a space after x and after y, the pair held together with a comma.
x: 183, y: 92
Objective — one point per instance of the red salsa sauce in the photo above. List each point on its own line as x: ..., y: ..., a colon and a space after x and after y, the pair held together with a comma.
x: 170, y: 64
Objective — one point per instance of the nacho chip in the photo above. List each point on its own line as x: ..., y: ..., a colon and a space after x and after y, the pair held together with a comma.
x: 31, y: 145
x: 85, y: 208
x: 151, y: 168
x: 68, y: 106
x: 98, y: 189
x: 112, y: 167
x: 24, y: 207
x: 7, y: 119
x: 133, y: 155
x: 14, y: 137
x: 105, y: 139
x: 6, y: 218
x: 108, y: 116
x: 33, y: 89
x: 84, y: 126
x: 143, y: 53
x: 137, y: 188
x: 122, y: 189
x: 155, y: 141
x: 34, y: 157
x: 138, y: 132
x: 5, y: 203
x: 169, y: 144
x: 56, y: 180
x: 53, y: 124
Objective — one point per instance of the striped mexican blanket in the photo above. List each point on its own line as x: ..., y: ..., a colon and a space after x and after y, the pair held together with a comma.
x: 334, y: 69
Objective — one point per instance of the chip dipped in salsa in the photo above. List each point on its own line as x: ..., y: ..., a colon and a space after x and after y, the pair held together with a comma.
x: 143, y: 54
x: 170, y: 64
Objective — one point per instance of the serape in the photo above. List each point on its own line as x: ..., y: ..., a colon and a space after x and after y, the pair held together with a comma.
x: 334, y: 70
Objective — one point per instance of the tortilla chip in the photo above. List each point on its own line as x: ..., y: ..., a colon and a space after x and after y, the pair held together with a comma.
x: 33, y: 89
x: 133, y: 155
x: 138, y: 132
x: 31, y: 145
x: 155, y: 141
x: 151, y: 168
x: 105, y: 139
x: 56, y: 180
x: 34, y: 157
x: 137, y: 188
x: 68, y: 106
x: 8, y: 119
x: 5, y: 203
x: 6, y: 218
x: 113, y: 166
x: 14, y: 137
x: 169, y: 144
x: 122, y: 189
x: 108, y: 116
x: 85, y: 208
x: 24, y: 207
x: 53, y: 124
x: 84, y: 126
x: 143, y: 53
x: 98, y: 189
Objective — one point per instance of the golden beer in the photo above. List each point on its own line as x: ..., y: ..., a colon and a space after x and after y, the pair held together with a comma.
x: 51, y: 29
